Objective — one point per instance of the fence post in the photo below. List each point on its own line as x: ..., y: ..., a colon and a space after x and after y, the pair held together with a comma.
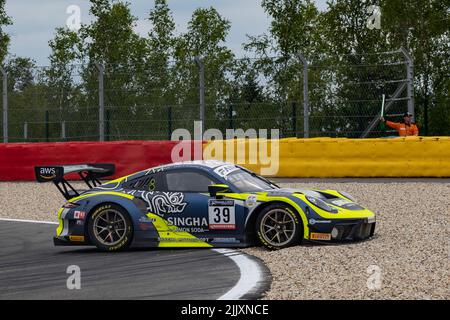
x: 410, y: 80
x: 201, y: 67
x: 63, y: 130
x: 5, y: 104
x: 25, y: 130
x: 305, y: 96
x: 101, y: 101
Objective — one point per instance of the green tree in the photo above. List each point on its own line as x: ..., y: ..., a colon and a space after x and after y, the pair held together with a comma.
x: 26, y: 97
x: 157, y: 80
x: 110, y: 38
x: 111, y: 41
x: 357, y: 77
x: 161, y: 39
x: 63, y: 94
x: 422, y: 26
x: 205, y: 38
x: 344, y: 25
x: 20, y: 74
x: 5, y: 20
x: 295, y: 28
x: 65, y: 50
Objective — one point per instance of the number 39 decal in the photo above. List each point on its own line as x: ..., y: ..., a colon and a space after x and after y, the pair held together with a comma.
x: 221, y: 214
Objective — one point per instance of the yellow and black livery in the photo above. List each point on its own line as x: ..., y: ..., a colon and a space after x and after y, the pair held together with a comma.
x: 198, y: 204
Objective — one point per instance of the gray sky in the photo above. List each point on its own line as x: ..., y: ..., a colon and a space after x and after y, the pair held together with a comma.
x: 35, y: 21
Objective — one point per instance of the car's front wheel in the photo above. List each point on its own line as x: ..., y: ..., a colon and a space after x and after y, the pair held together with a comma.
x: 110, y: 228
x: 278, y: 226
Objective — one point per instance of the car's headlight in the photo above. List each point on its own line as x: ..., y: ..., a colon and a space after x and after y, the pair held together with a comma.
x: 348, y: 196
x: 321, y: 204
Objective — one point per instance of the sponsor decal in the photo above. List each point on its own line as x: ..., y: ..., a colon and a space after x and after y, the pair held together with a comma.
x: 320, y: 236
x: 47, y: 173
x: 160, y: 203
x: 80, y: 215
x: 189, y: 224
x: 221, y: 214
x: 154, y: 170
x: 191, y: 229
x: 225, y: 170
x: 76, y: 238
x: 251, y: 201
x: 152, y: 184
x: 80, y: 222
x: 188, y: 221
x: 226, y: 240
x: 146, y: 223
x: 346, y: 204
x: 144, y: 226
x: 314, y: 221
x: 145, y: 219
x: 183, y: 239
x: 340, y: 202
x: 165, y: 202
x: 221, y: 202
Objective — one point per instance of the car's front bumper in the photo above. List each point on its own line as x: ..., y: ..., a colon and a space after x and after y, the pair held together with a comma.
x: 342, y: 230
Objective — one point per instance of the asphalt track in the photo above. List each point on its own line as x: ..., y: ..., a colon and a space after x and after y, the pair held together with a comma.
x: 32, y: 268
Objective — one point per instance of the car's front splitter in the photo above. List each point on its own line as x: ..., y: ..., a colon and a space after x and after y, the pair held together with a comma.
x: 66, y: 241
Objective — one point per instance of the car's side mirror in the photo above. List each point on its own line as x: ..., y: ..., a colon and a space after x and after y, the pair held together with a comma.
x: 214, y: 189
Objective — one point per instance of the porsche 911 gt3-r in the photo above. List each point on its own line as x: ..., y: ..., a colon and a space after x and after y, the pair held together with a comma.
x: 198, y: 204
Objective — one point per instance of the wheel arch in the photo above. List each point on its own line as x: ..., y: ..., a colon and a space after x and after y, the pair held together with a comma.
x: 251, y: 220
x: 126, y: 204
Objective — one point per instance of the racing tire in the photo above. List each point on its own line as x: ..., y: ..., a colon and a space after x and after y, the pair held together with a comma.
x: 278, y: 227
x: 110, y: 228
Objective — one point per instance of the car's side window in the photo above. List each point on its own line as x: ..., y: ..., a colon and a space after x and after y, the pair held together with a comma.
x: 146, y: 183
x: 188, y: 181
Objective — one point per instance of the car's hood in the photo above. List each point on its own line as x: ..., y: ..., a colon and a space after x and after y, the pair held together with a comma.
x: 334, y: 198
x: 286, y: 191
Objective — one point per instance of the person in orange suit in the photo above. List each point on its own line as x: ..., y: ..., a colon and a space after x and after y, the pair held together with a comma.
x: 405, y: 128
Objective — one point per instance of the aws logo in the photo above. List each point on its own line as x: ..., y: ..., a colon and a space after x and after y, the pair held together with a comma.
x: 45, y: 174
x: 48, y: 173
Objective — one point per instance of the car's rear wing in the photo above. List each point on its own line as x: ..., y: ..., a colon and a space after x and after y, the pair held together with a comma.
x: 89, y: 173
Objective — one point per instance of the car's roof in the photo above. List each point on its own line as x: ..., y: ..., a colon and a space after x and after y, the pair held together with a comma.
x: 218, y: 167
x: 207, y: 164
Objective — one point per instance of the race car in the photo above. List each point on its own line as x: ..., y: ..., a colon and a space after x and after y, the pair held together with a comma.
x: 198, y: 204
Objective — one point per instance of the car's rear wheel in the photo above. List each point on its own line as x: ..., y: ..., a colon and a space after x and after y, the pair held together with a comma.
x: 278, y: 226
x: 110, y: 228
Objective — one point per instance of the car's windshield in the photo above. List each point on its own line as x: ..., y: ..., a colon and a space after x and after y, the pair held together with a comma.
x: 248, y: 182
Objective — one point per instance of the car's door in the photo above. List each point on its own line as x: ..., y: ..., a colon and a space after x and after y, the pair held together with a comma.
x: 203, y: 216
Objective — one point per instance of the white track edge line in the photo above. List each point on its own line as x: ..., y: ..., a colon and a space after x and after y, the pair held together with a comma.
x: 28, y: 221
x: 251, y: 274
